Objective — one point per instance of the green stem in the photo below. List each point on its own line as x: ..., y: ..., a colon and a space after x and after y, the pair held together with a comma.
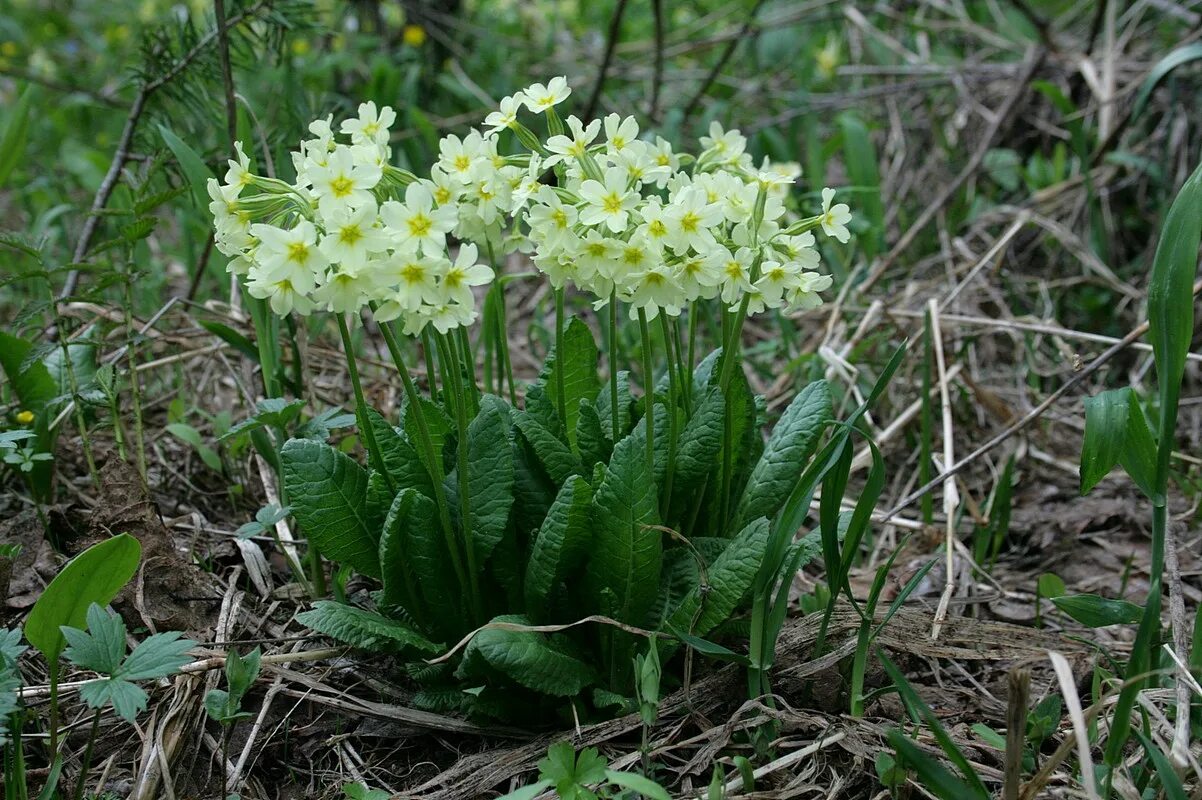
x: 469, y: 369
x: 86, y: 764
x: 502, y: 329
x: 613, y: 365
x: 561, y: 402
x: 52, y: 679
x: 859, y: 666
x: 431, y: 370
x: 369, y: 435
x: 673, y: 433
x: 426, y: 442
x: 648, y: 393
x: 465, y: 504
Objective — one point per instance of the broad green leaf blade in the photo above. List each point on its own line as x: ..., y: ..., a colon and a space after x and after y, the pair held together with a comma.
x: 273, y: 411
x: 1107, y: 417
x: 425, y: 546
x: 490, y: 474
x: 556, y: 456
x: 1169, y: 781
x: 193, y: 166
x: 527, y: 792
x: 537, y: 661
x: 93, y: 576
x: 1098, y: 612
x: 328, y: 493
x: 30, y: 379
x: 578, y: 365
x: 931, y: 774
x: 627, y: 552
x: 700, y: 442
x: 366, y: 630
x: 401, y: 460
x: 729, y: 579
x: 1171, y: 308
x: 591, y: 440
x: 788, y: 450
x: 16, y: 131
x: 405, y: 517
x: 560, y: 545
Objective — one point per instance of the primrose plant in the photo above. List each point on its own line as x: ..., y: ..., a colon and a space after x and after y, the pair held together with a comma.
x: 480, y: 517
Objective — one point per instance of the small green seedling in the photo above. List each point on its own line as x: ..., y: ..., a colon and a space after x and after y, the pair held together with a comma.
x: 585, y: 777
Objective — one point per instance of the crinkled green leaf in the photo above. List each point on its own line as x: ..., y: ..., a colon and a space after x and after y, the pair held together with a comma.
x: 788, y: 450
x: 437, y: 425
x: 625, y: 402
x: 700, y: 442
x: 627, y: 551
x: 730, y: 577
x: 272, y: 411
x: 328, y: 493
x: 544, y: 663
x: 591, y: 441
x: 363, y: 629
x: 407, y: 519
x: 490, y: 474
x: 555, y: 455
x: 404, y: 466
x: 561, y: 544
x: 578, y: 366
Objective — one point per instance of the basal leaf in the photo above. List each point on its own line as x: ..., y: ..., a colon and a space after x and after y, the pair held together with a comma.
x: 437, y: 425
x: 592, y: 443
x: 366, y: 630
x: 730, y: 578
x: 604, y: 403
x: 328, y: 493
x: 404, y: 466
x: 561, y: 544
x: 627, y: 552
x: 546, y: 664
x: 788, y: 450
x: 555, y: 455
x: 578, y: 366
x: 490, y: 474
x: 397, y: 573
x: 700, y: 442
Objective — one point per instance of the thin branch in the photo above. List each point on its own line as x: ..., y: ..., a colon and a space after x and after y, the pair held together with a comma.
x: 657, y: 76
x: 721, y: 62
x: 227, y: 75
x: 615, y: 27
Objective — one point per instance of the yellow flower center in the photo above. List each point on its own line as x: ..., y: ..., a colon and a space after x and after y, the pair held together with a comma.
x: 734, y: 270
x: 419, y: 225
x: 657, y: 228
x: 298, y: 252
x: 611, y: 203
x: 413, y: 273
x: 24, y: 417
x: 559, y: 218
x: 442, y: 195
x: 342, y: 186
x: 689, y: 222
x: 462, y: 163
x: 350, y: 235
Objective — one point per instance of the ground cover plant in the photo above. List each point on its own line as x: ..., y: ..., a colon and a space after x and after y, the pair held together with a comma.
x: 559, y: 399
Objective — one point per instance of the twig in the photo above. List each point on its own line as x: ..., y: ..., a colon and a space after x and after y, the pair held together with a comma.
x: 736, y: 783
x: 227, y: 75
x: 951, y: 495
x: 657, y: 75
x: 1068, y: 688
x: 122, y: 154
x: 721, y: 62
x: 615, y: 27
x: 1180, y: 629
x: 1001, y: 120
x: 1029, y: 417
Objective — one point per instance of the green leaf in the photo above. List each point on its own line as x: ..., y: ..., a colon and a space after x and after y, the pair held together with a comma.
x: 1171, y: 309
x: 401, y: 460
x: 700, y: 442
x: 16, y: 131
x: 1093, y: 611
x: 625, y: 401
x: 193, y: 166
x: 1169, y: 780
x: 424, y: 546
x: 157, y: 656
x: 490, y: 474
x: 789, y: 448
x: 578, y: 366
x: 189, y: 435
x: 560, y: 545
x: 101, y: 647
x: 126, y: 698
x: 93, y: 576
x: 275, y: 412
x: 366, y: 630
x: 30, y: 379
x: 555, y: 456
x: 537, y: 661
x: 328, y: 492
x: 729, y: 579
x: 234, y: 339
x: 1170, y: 62
x: 1116, y: 432
x: 400, y: 579
x: 437, y: 425
x: 645, y: 787
x: 1050, y: 585
x: 933, y: 775
x: 527, y: 792
x: 591, y: 441
x: 627, y: 552
x: 861, y: 159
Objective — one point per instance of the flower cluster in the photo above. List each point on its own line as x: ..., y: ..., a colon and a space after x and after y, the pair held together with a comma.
x: 350, y: 230
x: 621, y: 217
